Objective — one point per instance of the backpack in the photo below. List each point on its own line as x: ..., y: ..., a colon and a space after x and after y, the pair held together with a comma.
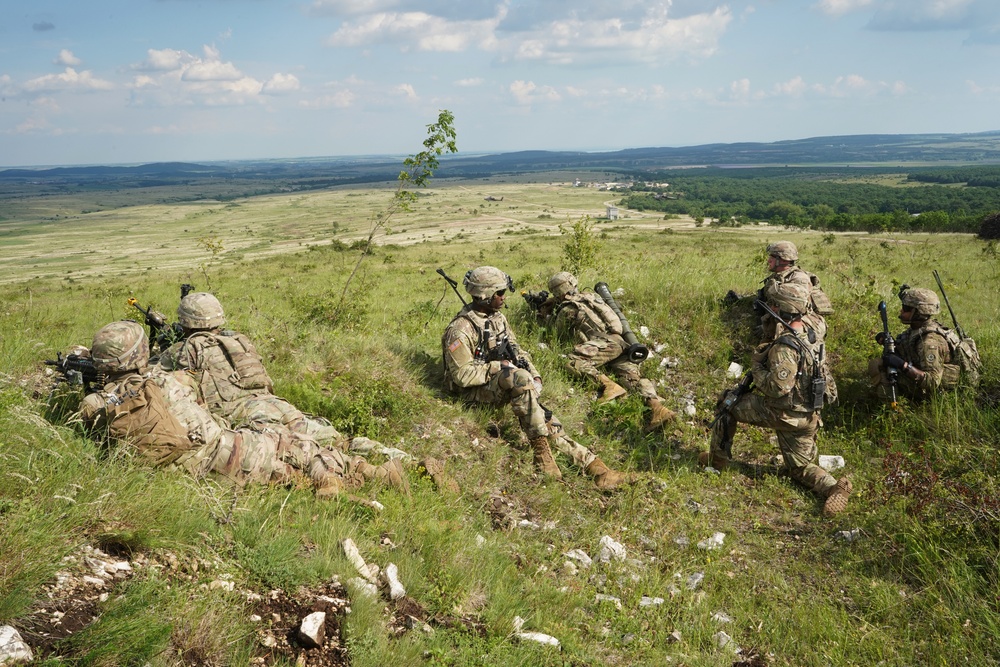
x: 820, y: 301
x: 965, y: 353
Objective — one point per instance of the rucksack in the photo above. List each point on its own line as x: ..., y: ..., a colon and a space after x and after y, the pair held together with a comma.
x: 965, y: 353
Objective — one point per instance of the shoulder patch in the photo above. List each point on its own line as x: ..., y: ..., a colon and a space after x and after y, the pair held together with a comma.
x: 457, y: 343
x: 783, y: 374
x: 930, y: 357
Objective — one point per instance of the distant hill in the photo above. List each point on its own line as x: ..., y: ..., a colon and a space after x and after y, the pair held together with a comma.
x: 855, y: 150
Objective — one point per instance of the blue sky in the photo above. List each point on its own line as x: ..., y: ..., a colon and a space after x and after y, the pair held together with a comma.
x: 126, y: 81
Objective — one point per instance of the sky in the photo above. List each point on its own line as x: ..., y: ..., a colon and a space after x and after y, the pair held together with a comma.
x: 138, y: 81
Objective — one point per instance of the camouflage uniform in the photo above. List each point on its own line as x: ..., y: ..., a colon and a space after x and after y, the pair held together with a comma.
x: 782, y: 399
x: 471, y: 371
x: 786, y: 251
x: 158, y: 412
x: 230, y: 374
x: 924, y: 347
x: 597, y: 331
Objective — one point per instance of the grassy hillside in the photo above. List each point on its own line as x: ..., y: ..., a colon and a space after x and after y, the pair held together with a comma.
x: 919, y: 584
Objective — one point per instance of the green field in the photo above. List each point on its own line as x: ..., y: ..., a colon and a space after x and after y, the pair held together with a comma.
x: 918, y: 587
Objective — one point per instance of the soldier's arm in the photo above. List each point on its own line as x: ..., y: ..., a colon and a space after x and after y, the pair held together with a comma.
x: 462, y: 366
x: 774, y: 376
x: 927, y: 370
x: 521, y: 352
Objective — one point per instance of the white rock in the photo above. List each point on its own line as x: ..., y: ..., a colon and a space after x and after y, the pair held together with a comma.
x: 539, y: 637
x: 255, y: 618
x: 690, y: 410
x: 480, y: 540
x: 93, y: 581
x: 650, y: 602
x: 723, y: 640
x: 610, y: 550
x: 569, y: 567
x: 543, y: 346
x: 123, y: 566
x: 396, y: 589
x: 312, y: 631
x: 580, y: 556
x: 644, y: 331
x: 618, y: 293
x: 674, y: 637
x: 694, y: 580
x: 601, y: 597
x: 831, y: 463
x: 682, y: 541
x: 849, y: 535
x: 13, y: 650
x: 713, y: 542
x: 525, y: 523
x: 359, y: 586
x: 221, y: 584
x: 369, y: 572
x: 735, y: 370
x: 374, y: 504
x: 721, y: 617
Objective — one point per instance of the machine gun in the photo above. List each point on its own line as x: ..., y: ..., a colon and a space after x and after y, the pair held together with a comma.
x: 77, y: 370
x: 636, y: 352
x: 818, y: 379
x: 161, y: 334
x: 888, y: 347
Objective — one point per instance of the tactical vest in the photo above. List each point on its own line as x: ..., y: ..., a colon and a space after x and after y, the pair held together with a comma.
x: 136, y: 411
x: 230, y: 368
x: 819, y: 302
x: 810, y: 389
x: 593, y: 316
x: 964, y: 363
x: 480, y: 351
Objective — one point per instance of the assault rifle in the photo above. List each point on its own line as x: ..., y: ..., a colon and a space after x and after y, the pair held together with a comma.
x: 888, y: 347
x: 536, y: 299
x: 454, y: 286
x: 162, y: 334
x: 818, y: 379
x: 726, y: 404
x: 636, y: 352
x: 77, y: 370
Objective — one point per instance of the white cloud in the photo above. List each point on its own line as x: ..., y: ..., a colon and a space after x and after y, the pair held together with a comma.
x: 841, y: 7
x: 740, y: 89
x: 406, y: 90
x: 978, y: 16
x: 526, y: 92
x: 70, y: 79
x: 794, y: 87
x: 416, y: 31
x: 67, y: 59
x: 341, y: 99
x: 164, y: 60
x: 469, y: 83
x: 211, y: 70
x: 31, y: 126
x: 281, y: 83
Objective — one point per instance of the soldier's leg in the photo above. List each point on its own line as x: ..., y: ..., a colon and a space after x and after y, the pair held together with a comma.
x: 263, y: 410
x: 577, y: 453
x: 587, y: 359
x: 245, y: 455
x: 628, y: 374
x: 797, y: 442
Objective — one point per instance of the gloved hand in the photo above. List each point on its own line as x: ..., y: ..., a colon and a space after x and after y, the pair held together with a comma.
x: 880, y: 338
x: 894, y: 360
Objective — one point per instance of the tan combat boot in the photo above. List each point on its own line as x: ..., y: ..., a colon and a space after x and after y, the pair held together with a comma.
x: 543, y: 459
x: 392, y: 473
x: 610, y: 390
x: 836, y: 502
x: 660, y: 415
x: 605, y: 478
x: 330, y: 486
x: 435, y: 470
x: 706, y: 459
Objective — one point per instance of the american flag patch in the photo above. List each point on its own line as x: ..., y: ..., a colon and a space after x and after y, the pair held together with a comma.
x: 454, y: 346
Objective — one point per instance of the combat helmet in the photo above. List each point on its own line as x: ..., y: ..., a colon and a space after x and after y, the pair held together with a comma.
x: 924, y: 301
x: 119, y: 347
x: 485, y: 281
x: 789, y: 298
x: 785, y: 250
x: 200, y: 310
x: 562, y: 283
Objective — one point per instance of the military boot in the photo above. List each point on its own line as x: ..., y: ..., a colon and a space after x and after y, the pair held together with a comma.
x: 706, y: 459
x: 435, y: 470
x: 330, y: 486
x: 543, y: 459
x: 836, y: 502
x: 605, y: 478
x: 659, y: 416
x: 391, y: 472
x: 610, y: 390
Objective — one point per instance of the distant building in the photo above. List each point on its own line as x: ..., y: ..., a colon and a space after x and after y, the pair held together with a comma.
x: 612, y: 212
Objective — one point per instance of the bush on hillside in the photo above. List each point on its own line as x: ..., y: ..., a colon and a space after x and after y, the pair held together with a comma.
x: 990, y: 226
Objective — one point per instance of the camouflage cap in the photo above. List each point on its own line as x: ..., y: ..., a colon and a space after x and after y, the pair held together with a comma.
x: 789, y: 298
x: 485, y: 281
x: 120, y: 346
x: 562, y: 283
x: 200, y: 310
x: 922, y: 300
x: 783, y: 250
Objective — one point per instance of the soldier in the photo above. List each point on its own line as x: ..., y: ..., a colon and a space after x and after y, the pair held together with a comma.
x: 230, y: 374
x: 474, y: 369
x: 157, y: 412
x: 924, y: 358
x: 597, y: 331
x: 782, y: 399
x: 781, y: 262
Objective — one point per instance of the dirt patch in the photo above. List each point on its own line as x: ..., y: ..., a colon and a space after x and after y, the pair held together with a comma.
x: 281, y: 617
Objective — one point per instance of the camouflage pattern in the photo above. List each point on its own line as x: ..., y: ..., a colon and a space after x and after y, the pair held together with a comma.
x: 785, y: 250
x: 781, y: 400
x: 120, y: 346
x: 922, y: 300
x: 200, y: 310
x: 472, y: 378
x: 925, y: 347
x: 792, y: 276
x: 485, y: 281
x: 788, y: 297
x: 562, y: 283
x: 597, y: 329
x: 233, y: 384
